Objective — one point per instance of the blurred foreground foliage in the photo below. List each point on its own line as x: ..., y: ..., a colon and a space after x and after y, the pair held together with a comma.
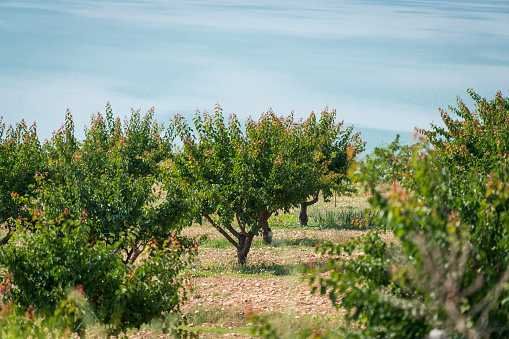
x: 448, y: 267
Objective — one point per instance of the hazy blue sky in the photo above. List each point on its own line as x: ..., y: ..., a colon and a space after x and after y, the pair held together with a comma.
x: 386, y: 66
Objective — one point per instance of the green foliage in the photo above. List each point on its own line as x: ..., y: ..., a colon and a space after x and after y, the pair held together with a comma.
x: 16, y: 323
x: 448, y: 269
x: 248, y: 176
x: 475, y: 141
x: 114, y: 180
x: 347, y: 218
x: 20, y: 159
x: 59, y: 256
x: 337, y: 149
x: 389, y: 163
x: 263, y: 327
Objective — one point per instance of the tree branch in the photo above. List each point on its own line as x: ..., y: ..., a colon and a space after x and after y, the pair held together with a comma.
x: 223, y: 232
x: 137, y: 251
x: 241, y: 225
x: 6, y: 238
x: 311, y: 202
x: 233, y: 231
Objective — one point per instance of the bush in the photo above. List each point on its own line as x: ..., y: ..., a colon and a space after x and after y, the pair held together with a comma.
x: 448, y: 268
x: 18, y: 323
x: 58, y: 256
x: 389, y: 163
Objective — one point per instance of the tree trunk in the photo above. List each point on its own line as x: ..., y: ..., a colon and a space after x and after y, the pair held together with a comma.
x: 303, y: 215
x: 245, y: 242
x: 7, y: 237
x: 266, y: 231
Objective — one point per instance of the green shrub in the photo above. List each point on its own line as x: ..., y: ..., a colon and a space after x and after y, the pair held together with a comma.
x: 58, y: 256
x: 16, y: 322
x: 389, y: 163
x: 448, y: 269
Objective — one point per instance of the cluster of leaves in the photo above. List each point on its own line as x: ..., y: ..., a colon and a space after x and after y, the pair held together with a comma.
x: 389, y: 163
x: 15, y: 322
x: 449, y: 266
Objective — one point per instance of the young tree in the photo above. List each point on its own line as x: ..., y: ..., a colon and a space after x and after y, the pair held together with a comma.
x: 113, y: 179
x: 101, y: 204
x: 243, y: 178
x: 338, y: 149
x: 388, y: 163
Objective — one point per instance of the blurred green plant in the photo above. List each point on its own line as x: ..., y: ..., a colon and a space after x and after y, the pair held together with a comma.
x: 448, y: 268
x: 263, y: 326
x: 58, y: 256
x: 17, y: 323
x: 390, y: 162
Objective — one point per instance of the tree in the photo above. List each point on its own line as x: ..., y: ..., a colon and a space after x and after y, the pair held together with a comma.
x: 388, y: 163
x: 113, y: 178
x: 243, y: 178
x: 101, y: 204
x: 338, y: 149
x: 20, y: 158
x: 475, y: 141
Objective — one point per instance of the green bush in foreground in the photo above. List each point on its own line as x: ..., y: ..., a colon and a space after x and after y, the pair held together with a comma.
x: 448, y: 269
x: 52, y: 260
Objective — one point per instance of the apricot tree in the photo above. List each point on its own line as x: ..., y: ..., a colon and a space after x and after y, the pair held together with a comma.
x: 337, y: 148
x: 239, y: 178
